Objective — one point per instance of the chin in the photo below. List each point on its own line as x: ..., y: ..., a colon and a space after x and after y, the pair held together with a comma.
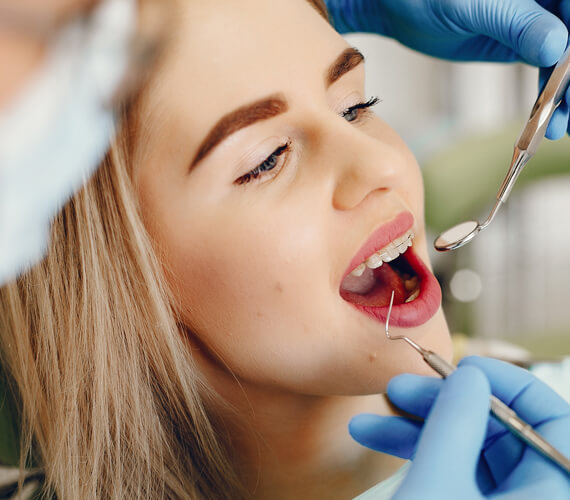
x: 399, y: 357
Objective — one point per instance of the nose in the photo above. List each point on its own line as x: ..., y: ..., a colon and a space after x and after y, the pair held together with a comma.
x: 363, y: 165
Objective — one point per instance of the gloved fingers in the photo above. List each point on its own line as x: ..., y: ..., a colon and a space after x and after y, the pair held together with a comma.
x: 415, y: 394
x: 508, y: 454
x: 533, y: 469
x: 353, y: 15
x: 393, y: 435
x: 398, y: 436
x: 462, y: 403
x: 487, y: 49
x: 501, y: 457
x: 565, y: 11
x: 511, y: 463
x: 546, y: 487
x: 449, y: 447
x: 533, y: 400
x: 537, y: 35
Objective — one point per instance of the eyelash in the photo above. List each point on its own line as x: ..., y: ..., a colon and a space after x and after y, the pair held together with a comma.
x: 272, y: 161
x: 265, y: 166
x: 362, y: 106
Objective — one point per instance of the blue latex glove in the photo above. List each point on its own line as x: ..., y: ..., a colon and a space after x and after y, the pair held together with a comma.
x: 469, y: 30
x: 459, y: 452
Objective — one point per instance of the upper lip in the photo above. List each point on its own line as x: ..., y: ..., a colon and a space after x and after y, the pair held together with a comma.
x: 381, y: 237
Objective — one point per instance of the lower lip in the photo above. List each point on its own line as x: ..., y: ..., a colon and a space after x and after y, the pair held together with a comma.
x: 418, y: 311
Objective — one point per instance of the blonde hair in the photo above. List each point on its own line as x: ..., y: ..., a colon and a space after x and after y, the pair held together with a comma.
x: 111, y: 399
x: 112, y: 403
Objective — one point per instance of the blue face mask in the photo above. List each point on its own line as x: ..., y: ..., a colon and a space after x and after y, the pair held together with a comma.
x: 54, y: 134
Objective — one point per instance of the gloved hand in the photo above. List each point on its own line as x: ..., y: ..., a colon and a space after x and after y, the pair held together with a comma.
x: 459, y: 452
x: 469, y: 30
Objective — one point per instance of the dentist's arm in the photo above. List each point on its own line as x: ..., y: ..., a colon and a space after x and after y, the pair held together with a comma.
x: 469, y: 30
x: 459, y: 452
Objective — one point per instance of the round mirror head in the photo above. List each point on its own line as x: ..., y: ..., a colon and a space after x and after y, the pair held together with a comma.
x: 457, y: 236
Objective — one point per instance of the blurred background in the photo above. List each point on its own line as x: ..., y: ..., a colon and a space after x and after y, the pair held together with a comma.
x: 508, y: 292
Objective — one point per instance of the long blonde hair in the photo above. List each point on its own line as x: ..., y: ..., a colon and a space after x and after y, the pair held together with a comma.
x: 112, y: 403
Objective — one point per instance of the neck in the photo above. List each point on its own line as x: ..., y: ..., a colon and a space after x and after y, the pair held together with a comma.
x: 293, y: 446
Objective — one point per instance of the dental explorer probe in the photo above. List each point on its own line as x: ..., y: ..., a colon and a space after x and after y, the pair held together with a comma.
x: 525, y: 148
x: 500, y: 410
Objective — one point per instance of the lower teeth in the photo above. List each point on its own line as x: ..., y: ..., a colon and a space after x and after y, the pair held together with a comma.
x: 414, y: 296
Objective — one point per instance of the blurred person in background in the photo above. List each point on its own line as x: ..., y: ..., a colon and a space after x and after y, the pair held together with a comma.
x: 66, y: 64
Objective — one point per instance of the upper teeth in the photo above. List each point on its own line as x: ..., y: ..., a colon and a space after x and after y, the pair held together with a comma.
x: 390, y: 252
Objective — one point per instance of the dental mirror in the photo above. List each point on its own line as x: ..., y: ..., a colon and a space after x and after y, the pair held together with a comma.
x: 457, y: 236
x: 525, y: 148
x: 463, y: 233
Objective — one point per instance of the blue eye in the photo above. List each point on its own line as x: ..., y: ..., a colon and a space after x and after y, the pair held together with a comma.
x: 353, y: 113
x: 274, y: 160
x: 270, y: 163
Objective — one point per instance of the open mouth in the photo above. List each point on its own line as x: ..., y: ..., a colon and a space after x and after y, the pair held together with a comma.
x: 371, y: 283
x: 394, y: 268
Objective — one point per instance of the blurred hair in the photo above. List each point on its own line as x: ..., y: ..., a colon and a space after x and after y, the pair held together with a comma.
x: 321, y: 7
x: 112, y: 403
x: 109, y: 391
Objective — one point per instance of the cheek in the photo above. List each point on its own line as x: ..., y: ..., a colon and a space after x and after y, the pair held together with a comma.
x: 239, y: 276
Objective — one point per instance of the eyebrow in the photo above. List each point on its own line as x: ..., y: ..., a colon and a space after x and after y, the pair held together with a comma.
x: 268, y: 107
x: 240, y: 118
x: 349, y: 59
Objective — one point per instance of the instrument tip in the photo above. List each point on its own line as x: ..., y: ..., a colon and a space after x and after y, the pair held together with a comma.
x: 389, y: 313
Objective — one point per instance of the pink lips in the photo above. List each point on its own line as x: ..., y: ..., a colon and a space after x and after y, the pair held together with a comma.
x: 381, y: 237
x: 421, y: 309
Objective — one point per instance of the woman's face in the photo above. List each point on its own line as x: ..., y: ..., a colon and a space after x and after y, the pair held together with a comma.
x: 265, y: 180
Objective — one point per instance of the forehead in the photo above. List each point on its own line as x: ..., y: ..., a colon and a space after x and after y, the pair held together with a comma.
x: 245, y: 48
x: 225, y: 54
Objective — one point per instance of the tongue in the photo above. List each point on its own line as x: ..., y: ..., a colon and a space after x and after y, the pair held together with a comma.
x: 374, y: 288
x: 387, y: 280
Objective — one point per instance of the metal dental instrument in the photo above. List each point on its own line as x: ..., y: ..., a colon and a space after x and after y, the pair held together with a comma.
x: 500, y: 410
x: 525, y: 148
